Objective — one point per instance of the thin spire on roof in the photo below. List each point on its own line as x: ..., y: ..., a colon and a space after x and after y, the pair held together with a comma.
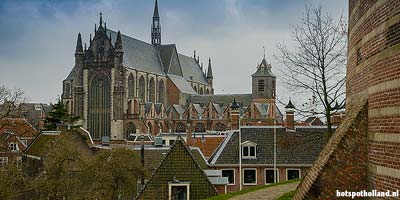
x: 209, y: 70
x: 101, y: 19
x: 79, y: 48
x: 155, y: 14
x: 118, y: 42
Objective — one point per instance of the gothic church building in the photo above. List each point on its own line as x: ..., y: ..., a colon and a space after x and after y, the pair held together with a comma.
x: 116, y: 74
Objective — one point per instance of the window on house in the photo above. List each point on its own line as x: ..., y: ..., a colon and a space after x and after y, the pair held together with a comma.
x: 249, y: 177
x: 292, y: 174
x: 230, y: 173
x: 3, y: 160
x: 261, y: 85
x: 13, y: 147
x: 171, y: 142
x: 270, y: 176
x: 249, y: 150
x: 178, y: 191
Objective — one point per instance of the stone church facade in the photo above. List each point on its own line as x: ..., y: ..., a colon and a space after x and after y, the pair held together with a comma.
x: 121, y: 86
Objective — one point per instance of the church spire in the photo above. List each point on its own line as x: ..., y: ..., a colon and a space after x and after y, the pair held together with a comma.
x: 79, y: 48
x: 155, y: 14
x: 156, y: 27
x: 209, y: 70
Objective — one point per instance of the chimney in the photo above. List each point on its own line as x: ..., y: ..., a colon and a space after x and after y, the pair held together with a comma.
x: 235, y: 115
x: 290, y: 115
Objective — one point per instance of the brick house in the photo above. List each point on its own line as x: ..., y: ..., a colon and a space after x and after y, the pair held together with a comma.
x: 296, y: 150
x: 178, y: 175
x: 15, y: 136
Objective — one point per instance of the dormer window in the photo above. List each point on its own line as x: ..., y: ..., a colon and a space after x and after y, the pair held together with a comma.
x: 13, y: 147
x: 249, y: 150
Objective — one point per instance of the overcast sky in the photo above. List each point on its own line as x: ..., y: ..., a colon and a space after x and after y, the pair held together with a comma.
x: 38, y: 38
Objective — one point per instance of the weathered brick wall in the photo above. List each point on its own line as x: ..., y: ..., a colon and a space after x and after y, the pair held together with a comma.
x: 374, y: 74
x: 342, y: 164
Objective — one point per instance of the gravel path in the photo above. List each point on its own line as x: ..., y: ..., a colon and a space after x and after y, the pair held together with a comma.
x: 270, y: 193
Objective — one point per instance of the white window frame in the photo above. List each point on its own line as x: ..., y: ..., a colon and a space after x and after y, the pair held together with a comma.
x: 14, y: 145
x: 287, y: 172
x: 234, y: 175
x: 248, y: 145
x: 255, y: 169
x: 265, y: 175
x: 4, y: 160
x: 170, y: 185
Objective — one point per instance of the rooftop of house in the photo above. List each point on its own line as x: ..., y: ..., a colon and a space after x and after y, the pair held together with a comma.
x: 293, y: 147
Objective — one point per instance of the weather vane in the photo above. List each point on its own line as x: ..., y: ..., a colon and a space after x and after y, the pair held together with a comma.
x: 264, y: 51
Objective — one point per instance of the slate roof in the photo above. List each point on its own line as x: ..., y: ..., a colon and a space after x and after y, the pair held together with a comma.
x: 138, y: 54
x: 242, y: 99
x: 300, y: 147
x: 191, y: 68
x: 264, y: 69
x: 182, y: 84
x: 178, y: 164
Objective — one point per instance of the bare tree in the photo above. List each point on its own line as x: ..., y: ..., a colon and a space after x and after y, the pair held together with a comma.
x: 316, y: 65
x: 10, y: 99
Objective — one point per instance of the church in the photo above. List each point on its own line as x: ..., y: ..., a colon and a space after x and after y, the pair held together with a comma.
x: 120, y: 85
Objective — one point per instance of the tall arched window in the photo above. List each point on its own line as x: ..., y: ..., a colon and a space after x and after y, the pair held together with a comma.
x: 151, y: 91
x: 161, y: 92
x: 131, y: 86
x: 219, y: 127
x: 180, y: 127
x: 201, y: 91
x: 67, y: 90
x: 99, y: 106
x: 207, y: 91
x: 142, y: 88
x: 130, y: 129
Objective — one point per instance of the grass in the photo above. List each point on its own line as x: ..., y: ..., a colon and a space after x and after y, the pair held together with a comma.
x: 252, y: 189
x: 287, y: 196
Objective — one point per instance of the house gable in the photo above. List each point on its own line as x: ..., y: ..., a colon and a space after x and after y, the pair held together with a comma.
x: 179, y: 165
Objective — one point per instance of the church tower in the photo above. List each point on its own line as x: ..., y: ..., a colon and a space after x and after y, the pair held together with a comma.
x: 263, y: 82
x: 156, y: 27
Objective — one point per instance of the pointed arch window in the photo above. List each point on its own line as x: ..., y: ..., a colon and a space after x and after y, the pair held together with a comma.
x: 180, y: 127
x: 161, y: 93
x: 195, y: 89
x: 201, y: 91
x: 207, y: 91
x: 200, y: 128
x: 131, y: 87
x: 151, y: 90
x: 142, y: 88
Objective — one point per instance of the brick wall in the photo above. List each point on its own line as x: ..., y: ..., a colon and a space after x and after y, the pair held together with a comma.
x: 342, y: 164
x: 374, y: 71
x: 373, y: 76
